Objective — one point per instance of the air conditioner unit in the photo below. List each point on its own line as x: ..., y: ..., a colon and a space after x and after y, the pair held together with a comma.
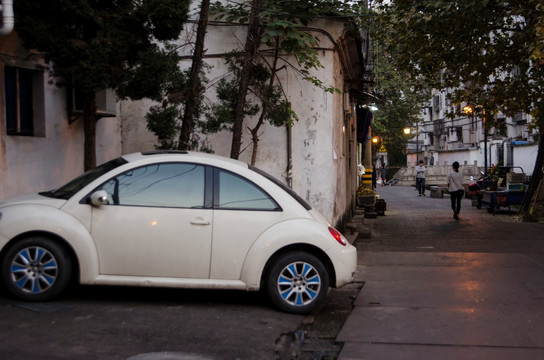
x: 106, y: 103
x: 520, y: 118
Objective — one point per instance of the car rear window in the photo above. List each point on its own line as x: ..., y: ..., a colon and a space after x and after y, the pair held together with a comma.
x: 283, y: 186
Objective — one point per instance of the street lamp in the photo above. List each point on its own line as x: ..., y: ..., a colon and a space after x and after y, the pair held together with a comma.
x: 470, y: 110
x: 407, y: 131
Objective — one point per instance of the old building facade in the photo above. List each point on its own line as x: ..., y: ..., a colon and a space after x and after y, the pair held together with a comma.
x: 318, y: 156
x: 41, y: 137
x: 41, y: 134
x: 453, y: 132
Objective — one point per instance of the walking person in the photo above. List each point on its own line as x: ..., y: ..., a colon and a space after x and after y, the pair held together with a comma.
x: 456, y: 189
x: 420, y: 178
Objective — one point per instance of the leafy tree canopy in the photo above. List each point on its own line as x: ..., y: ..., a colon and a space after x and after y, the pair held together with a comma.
x: 490, y: 52
x: 288, y: 19
x: 491, y: 47
x: 403, y: 97
x: 104, y: 44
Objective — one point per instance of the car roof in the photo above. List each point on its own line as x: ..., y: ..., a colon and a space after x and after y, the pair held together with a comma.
x: 178, y: 155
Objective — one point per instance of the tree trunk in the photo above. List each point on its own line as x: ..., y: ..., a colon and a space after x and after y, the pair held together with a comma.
x: 255, y: 139
x: 250, y: 51
x: 255, y: 130
x: 89, y: 127
x: 527, y: 207
x: 192, y: 95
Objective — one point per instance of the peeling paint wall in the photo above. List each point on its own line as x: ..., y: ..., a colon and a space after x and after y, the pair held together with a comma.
x: 319, y: 141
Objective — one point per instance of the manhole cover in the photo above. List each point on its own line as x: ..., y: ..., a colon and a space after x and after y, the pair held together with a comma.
x: 170, y: 356
x: 42, y: 307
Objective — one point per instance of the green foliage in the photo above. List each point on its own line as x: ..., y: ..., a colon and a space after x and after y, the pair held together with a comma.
x: 165, y: 120
x: 221, y: 116
x: 493, y: 54
x: 286, y: 20
x: 403, y: 96
x: 95, y: 45
x: 280, y: 35
x: 495, y: 59
x: 164, y: 123
x: 104, y: 44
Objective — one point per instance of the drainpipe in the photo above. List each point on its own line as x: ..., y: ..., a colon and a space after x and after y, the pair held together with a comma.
x: 8, y: 19
x: 289, y: 169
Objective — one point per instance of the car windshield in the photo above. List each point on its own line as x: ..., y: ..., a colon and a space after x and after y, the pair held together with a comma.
x: 283, y: 186
x: 68, y: 190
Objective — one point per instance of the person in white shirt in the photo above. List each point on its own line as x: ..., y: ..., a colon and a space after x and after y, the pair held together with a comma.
x: 420, y: 178
x: 456, y: 189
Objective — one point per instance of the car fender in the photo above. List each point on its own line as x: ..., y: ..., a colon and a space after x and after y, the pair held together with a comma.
x: 17, y: 220
x: 278, y: 237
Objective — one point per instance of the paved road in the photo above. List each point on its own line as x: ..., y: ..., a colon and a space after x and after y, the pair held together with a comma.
x: 427, y: 287
x: 414, y: 223
x: 120, y: 323
x: 434, y: 287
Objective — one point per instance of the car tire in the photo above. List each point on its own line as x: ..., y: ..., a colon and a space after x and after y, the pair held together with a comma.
x: 36, y: 269
x: 297, y: 282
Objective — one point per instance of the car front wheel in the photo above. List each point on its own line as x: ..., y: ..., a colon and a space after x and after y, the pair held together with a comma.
x: 297, y: 282
x: 36, y: 269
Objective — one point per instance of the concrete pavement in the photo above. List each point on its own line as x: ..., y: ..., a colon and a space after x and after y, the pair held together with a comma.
x: 435, y: 287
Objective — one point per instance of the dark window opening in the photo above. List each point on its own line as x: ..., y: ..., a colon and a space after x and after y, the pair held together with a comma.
x: 19, y: 101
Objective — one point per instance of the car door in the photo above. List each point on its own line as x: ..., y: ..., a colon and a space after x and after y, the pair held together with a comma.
x: 242, y: 212
x: 156, y: 223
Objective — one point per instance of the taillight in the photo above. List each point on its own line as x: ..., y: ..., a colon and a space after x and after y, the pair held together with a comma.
x: 338, y: 236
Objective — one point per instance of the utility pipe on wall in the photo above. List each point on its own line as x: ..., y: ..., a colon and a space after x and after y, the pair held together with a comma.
x: 8, y: 19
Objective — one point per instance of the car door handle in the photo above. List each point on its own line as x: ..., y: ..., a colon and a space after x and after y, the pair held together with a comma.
x: 200, y: 221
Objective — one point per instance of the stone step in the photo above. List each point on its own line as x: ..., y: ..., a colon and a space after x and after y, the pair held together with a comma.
x: 351, y: 237
x: 364, y: 235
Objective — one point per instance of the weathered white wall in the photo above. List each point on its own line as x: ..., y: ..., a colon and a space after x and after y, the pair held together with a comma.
x: 318, y: 146
x: 525, y: 156
x: 135, y: 136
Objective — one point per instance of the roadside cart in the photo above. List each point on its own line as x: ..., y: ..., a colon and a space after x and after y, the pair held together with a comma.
x: 494, y: 200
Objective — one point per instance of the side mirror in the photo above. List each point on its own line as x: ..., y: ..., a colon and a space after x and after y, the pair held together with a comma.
x: 99, y: 198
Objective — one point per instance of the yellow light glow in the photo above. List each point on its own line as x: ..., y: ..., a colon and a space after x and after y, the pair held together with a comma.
x: 468, y: 109
x: 375, y: 140
x: 407, y: 131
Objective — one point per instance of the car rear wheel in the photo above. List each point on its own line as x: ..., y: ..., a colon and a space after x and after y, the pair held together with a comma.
x: 36, y: 269
x: 297, y: 282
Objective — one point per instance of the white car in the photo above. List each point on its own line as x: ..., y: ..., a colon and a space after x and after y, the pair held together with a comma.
x: 173, y: 219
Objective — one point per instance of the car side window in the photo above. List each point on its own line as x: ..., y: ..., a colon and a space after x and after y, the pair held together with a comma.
x: 236, y: 192
x: 159, y: 185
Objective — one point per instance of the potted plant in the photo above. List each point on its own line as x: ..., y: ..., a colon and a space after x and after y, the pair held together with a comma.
x: 365, y: 196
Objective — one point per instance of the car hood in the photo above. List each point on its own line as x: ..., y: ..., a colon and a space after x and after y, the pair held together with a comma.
x: 35, y: 199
